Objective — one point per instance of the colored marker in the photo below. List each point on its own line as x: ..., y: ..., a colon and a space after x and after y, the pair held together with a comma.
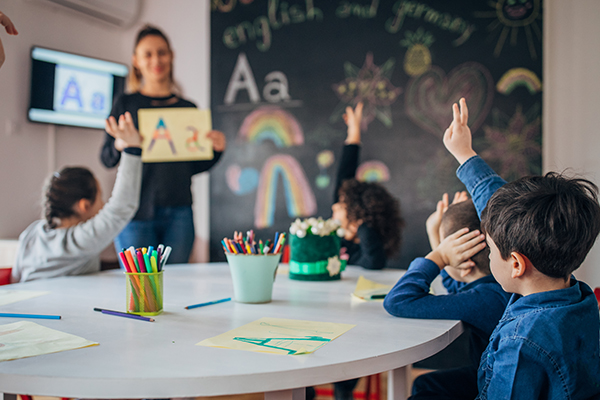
x: 141, y: 262
x: 130, y: 261
x: 124, y: 261
x: 133, y: 253
x: 154, y: 261
x: 207, y: 303
x: 122, y: 314
x: 38, y: 316
x: 165, y: 257
x: 147, y: 262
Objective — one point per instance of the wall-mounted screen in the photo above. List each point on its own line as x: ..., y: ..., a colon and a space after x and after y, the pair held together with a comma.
x: 69, y: 89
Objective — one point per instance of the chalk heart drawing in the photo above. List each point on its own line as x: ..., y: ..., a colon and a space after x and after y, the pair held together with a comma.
x: 429, y: 97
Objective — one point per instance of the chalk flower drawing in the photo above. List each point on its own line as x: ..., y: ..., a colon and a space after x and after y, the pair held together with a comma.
x: 370, y: 85
x: 514, y: 145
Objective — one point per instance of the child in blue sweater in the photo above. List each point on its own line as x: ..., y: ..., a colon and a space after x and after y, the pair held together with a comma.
x: 477, y: 299
x: 539, y: 230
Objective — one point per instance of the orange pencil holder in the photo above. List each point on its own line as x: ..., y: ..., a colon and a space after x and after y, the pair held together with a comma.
x: 144, y: 293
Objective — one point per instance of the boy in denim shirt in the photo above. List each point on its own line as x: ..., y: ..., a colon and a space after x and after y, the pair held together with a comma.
x: 539, y: 230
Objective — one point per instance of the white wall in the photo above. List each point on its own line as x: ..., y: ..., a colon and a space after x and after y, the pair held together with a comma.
x: 25, y: 149
x: 571, y: 112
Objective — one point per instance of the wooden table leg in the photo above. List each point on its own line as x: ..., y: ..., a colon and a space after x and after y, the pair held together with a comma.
x: 398, y: 383
x: 8, y: 396
x: 291, y: 394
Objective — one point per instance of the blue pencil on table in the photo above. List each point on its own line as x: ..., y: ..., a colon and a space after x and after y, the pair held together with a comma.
x: 37, y: 316
x: 208, y: 303
x: 122, y: 314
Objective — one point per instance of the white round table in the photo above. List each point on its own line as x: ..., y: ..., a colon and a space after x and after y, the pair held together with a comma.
x: 138, y: 359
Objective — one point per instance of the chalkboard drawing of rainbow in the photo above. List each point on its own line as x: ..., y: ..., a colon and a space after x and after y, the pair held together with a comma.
x: 161, y: 132
x: 300, y: 199
x: 519, y: 77
x: 272, y: 123
x: 373, y: 171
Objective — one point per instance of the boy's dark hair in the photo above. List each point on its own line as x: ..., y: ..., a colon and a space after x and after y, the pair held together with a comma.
x: 553, y: 220
x: 64, y: 189
x: 377, y: 208
x: 464, y: 215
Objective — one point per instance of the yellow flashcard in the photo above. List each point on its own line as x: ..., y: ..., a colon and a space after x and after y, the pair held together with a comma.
x: 369, y: 290
x: 279, y: 336
x: 175, y: 134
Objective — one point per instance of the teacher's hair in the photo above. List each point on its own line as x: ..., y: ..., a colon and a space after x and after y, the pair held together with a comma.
x: 134, y: 83
x: 65, y: 188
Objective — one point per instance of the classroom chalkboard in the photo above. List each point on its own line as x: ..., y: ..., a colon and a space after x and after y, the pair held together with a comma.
x: 282, y: 73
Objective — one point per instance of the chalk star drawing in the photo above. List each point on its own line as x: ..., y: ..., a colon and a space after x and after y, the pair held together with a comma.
x: 514, y: 144
x: 509, y: 16
x: 371, y: 85
x: 161, y: 132
x: 417, y: 59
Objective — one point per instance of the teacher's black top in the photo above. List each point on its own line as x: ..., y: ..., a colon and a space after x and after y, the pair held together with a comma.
x: 166, y: 184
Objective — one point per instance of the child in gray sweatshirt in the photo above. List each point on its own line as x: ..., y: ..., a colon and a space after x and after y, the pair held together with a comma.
x: 78, y: 225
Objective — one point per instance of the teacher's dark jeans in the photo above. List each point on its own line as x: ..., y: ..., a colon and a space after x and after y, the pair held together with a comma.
x: 171, y: 226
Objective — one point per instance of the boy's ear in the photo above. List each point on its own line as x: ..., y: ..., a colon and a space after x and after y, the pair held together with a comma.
x: 519, y: 264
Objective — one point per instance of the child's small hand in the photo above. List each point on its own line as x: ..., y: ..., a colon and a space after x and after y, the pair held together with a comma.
x: 7, y: 24
x: 218, y: 140
x: 456, y: 249
x: 353, y: 118
x: 434, y: 221
x: 457, y: 137
x: 124, y: 131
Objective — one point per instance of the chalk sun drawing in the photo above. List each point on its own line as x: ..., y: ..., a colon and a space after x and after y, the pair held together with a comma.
x: 300, y: 199
x: 516, y: 77
x: 509, y: 16
x: 370, y: 85
x: 271, y: 123
x: 429, y: 97
x: 373, y: 171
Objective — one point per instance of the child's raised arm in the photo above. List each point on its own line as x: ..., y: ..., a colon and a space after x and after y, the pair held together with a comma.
x: 353, y: 118
x: 124, y: 131
x: 457, y: 137
x: 10, y: 29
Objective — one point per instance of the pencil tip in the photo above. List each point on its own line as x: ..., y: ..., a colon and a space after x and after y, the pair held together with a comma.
x: 151, y: 320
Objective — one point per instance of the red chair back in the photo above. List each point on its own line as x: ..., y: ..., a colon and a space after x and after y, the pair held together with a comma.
x: 5, y: 276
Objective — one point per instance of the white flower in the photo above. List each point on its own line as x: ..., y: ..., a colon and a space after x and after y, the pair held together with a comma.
x: 301, y: 233
x: 315, y: 230
x: 333, y: 265
x: 341, y: 232
x: 293, y: 229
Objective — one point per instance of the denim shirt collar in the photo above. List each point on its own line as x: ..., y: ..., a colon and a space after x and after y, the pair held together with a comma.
x: 482, y: 280
x: 519, y: 305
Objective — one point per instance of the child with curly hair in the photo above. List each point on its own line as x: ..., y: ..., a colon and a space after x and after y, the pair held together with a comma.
x: 369, y: 214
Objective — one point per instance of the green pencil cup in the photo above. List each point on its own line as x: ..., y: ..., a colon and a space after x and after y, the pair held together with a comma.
x: 253, y: 276
x: 144, y: 293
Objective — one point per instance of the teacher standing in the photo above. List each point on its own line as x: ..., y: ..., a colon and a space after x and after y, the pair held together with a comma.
x: 165, y: 211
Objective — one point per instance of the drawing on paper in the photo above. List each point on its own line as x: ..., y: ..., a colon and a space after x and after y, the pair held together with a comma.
x: 274, y: 124
x: 161, y: 133
x: 371, y: 85
x: 429, y: 97
x: 299, y: 197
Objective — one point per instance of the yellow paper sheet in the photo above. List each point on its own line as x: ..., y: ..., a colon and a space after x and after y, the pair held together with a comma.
x: 279, y: 336
x: 12, y: 296
x: 27, y: 339
x: 175, y: 134
x: 369, y: 290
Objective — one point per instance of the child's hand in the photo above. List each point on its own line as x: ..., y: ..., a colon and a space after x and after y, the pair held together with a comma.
x: 457, y: 249
x: 434, y: 221
x: 218, y: 140
x: 353, y: 118
x: 457, y: 137
x: 124, y: 132
x: 7, y: 24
